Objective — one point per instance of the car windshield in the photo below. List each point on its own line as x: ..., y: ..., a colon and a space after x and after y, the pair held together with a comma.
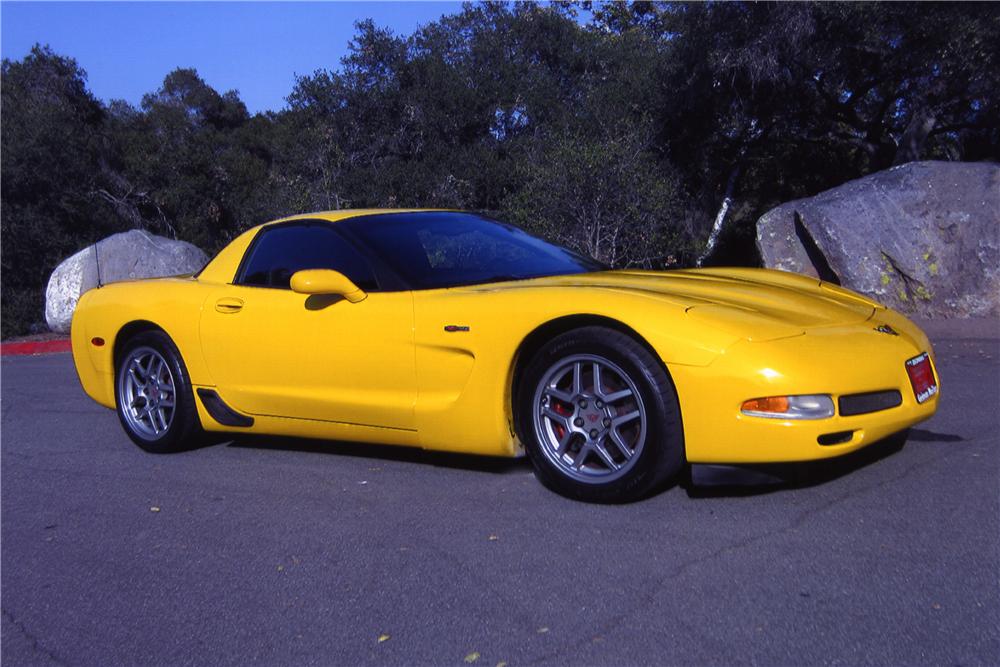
x: 444, y: 249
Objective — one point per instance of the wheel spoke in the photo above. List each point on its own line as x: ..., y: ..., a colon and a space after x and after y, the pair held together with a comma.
x: 616, y: 438
x: 581, y: 456
x: 616, y: 396
x: 605, y: 456
x: 558, y: 394
x: 148, y: 370
x: 577, y: 378
x: 562, y: 420
x: 148, y: 413
x: 624, y: 419
x: 596, y: 369
x: 564, y: 442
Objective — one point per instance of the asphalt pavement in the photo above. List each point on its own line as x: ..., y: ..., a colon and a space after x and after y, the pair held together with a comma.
x: 268, y: 552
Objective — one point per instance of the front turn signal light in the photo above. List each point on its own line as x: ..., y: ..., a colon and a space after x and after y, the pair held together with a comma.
x: 808, y: 406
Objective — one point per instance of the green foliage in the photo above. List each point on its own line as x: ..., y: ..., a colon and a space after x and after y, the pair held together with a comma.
x: 49, y: 146
x: 620, y: 137
x: 606, y: 198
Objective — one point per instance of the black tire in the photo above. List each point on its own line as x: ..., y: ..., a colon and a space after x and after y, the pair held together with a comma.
x: 655, y: 462
x: 184, y: 428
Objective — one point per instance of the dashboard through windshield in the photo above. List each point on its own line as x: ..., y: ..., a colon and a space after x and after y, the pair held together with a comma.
x: 434, y: 249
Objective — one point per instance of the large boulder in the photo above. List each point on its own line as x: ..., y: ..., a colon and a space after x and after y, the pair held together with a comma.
x: 921, y: 237
x: 126, y: 256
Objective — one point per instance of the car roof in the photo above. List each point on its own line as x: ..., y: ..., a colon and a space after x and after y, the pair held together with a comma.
x: 344, y: 214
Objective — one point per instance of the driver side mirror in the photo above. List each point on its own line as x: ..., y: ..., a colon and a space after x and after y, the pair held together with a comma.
x: 326, y: 281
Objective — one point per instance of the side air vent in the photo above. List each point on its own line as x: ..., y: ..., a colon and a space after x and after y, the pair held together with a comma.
x: 221, y: 412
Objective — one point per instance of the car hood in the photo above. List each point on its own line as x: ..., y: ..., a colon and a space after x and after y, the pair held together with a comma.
x: 758, y: 304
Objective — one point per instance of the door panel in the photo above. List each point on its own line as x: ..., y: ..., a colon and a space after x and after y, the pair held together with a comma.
x: 276, y: 352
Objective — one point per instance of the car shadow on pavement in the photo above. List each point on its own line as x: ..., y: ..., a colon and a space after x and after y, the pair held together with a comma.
x: 489, y: 464
x: 711, y: 482
x: 920, y: 435
x: 722, y: 481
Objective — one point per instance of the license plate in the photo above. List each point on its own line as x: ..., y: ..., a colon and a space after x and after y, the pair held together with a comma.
x: 921, y: 377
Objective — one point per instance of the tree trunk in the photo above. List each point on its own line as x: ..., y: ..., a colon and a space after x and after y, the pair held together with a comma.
x: 911, y: 145
x: 720, y: 217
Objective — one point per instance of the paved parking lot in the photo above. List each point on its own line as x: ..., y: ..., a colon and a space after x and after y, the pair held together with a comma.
x: 289, y: 553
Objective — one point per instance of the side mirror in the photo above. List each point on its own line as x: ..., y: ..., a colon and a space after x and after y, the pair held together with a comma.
x: 326, y: 281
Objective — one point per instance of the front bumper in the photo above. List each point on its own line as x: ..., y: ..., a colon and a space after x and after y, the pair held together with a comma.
x: 836, y: 360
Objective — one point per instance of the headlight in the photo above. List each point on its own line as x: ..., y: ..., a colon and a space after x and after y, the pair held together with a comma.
x: 808, y: 406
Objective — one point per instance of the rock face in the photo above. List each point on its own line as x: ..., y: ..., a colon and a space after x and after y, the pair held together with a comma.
x: 921, y: 237
x: 126, y: 256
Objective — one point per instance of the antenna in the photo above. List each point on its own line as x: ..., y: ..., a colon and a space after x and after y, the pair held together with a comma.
x: 97, y: 259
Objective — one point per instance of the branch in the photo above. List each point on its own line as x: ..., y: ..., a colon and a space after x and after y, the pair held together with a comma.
x: 845, y: 111
x: 954, y: 127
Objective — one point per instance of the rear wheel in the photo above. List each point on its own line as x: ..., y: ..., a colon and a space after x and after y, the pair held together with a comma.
x: 153, y: 394
x: 599, y: 418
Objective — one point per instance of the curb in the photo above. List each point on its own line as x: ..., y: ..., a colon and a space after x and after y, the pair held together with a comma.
x: 35, y: 347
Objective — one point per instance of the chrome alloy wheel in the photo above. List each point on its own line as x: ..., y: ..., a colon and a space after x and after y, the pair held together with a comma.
x: 589, y: 418
x: 146, y: 392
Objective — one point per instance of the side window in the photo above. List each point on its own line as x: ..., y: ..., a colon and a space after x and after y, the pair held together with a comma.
x: 282, y: 250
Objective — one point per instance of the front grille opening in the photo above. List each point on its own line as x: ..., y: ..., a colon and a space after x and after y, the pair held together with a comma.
x: 872, y: 401
x: 838, y: 438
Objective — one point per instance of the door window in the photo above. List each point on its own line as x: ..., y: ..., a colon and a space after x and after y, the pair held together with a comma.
x: 282, y: 250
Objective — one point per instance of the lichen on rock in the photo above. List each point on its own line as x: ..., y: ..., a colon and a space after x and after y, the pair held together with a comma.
x: 933, y: 225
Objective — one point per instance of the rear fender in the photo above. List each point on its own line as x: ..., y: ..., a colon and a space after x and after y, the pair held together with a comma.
x: 106, y: 317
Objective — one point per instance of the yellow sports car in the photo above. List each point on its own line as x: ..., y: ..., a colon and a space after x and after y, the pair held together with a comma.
x: 450, y: 331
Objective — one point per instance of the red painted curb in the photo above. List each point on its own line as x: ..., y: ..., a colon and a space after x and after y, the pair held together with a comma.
x: 35, y: 347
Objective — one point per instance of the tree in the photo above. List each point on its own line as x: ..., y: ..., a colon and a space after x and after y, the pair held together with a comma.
x: 190, y: 163
x: 605, y: 198
x: 656, y: 133
x: 783, y: 100
x: 50, y: 146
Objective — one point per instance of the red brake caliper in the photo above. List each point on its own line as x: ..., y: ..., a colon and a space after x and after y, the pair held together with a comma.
x: 560, y: 409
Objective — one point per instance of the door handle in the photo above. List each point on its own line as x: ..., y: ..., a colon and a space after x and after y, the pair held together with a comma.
x: 229, y: 305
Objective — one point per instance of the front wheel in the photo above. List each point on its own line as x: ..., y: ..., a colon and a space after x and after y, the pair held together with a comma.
x: 598, y: 415
x: 153, y: 394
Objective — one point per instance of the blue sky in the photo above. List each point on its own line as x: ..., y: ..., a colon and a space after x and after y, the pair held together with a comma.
x: 254, y: 47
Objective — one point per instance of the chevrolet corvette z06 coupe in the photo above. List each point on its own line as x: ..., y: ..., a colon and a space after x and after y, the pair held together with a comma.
x: 450, y: 331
